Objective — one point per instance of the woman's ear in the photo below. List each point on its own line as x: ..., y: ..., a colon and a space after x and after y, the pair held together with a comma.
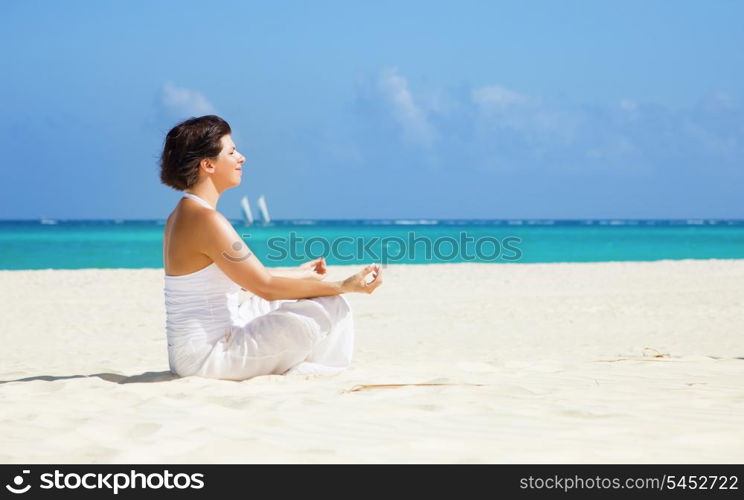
x: 206, y: 165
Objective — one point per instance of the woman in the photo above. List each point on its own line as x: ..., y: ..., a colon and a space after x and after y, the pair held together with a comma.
x: 291, y: 324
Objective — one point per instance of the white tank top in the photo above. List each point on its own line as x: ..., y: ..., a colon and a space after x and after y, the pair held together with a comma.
x: 200, y: 308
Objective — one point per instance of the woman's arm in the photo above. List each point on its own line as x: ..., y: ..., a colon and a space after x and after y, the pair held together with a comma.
x: 291, y: 273
x: 223, y: 245
x: 314, y: 269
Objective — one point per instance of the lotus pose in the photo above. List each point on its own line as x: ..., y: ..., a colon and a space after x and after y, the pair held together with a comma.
x: 291, y: 323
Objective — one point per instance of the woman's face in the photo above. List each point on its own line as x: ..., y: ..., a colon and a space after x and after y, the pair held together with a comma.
x: 228, y: 166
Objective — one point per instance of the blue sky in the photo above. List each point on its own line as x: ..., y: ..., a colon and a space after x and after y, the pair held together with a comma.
x: 380, y: 109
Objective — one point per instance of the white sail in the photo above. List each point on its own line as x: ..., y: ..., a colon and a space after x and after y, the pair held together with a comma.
x: 263, y: 209
x: 247, y: 214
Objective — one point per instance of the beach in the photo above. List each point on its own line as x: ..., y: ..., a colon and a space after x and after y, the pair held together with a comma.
x: 614, y: 362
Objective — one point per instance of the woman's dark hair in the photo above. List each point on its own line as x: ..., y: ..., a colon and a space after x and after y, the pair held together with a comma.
x: 186, y: 145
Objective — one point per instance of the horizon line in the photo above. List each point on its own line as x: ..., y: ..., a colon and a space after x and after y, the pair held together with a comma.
x: 393, y: 219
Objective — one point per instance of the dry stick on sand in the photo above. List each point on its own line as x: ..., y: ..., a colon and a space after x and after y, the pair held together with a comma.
x: 648, y: 352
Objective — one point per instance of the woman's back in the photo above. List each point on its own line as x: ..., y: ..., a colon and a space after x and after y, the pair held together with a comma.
x: 181, y: 242
x: 201, y: 302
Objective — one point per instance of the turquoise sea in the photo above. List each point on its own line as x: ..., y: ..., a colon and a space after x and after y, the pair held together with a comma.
x: 138, y: 244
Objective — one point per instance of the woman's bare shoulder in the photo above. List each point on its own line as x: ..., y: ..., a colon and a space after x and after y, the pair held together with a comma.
x: 214, y: 220
x: 191, y: 215
x: 216, y: 229
x: 203, y: 226
x: 195, y: 226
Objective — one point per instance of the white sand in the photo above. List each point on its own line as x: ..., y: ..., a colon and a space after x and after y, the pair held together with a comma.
x: 548, y: 363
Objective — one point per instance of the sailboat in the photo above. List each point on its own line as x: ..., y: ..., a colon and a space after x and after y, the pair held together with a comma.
x: 247, y: 214
x: 263, y: 209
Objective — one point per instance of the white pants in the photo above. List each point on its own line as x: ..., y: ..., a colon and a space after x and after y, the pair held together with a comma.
x: 307, y: 336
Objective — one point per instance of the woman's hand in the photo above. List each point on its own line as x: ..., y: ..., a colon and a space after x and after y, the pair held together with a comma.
x: 315, y: 269
x: 358, y: 282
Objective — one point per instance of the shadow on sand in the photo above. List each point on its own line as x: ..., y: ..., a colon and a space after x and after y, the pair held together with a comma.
x: 147, y: 377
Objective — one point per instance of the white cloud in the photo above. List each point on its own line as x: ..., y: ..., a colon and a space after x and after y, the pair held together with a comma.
x: 507, y: 109
x: 410, y: 116
x: 184, y: 101
x: 494, y: 97
x: 493, y: 125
